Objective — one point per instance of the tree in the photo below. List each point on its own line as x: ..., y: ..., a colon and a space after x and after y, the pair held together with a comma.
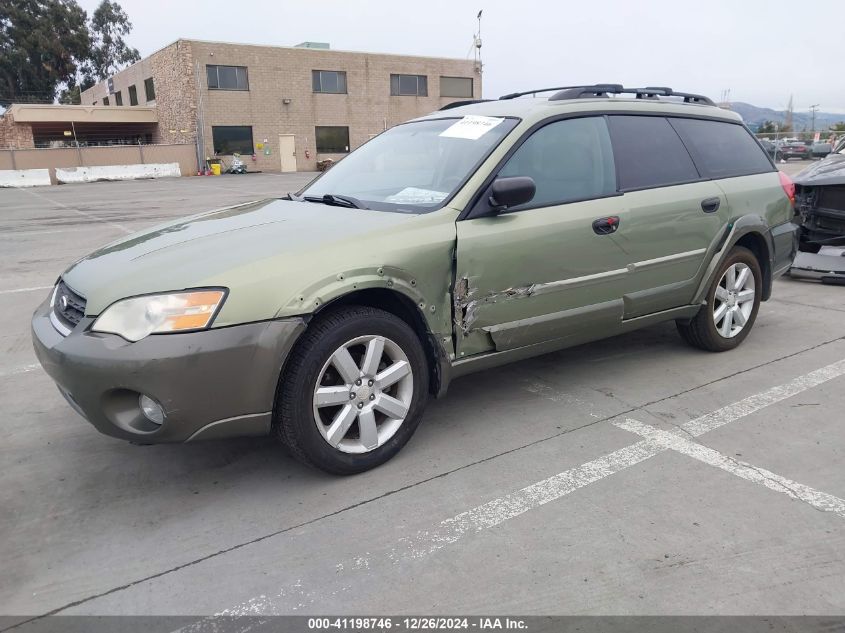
x: 109, y: 51
x: 766, y: 127
x: 72, y: 95
x: 43, y: 43
x: 48, y: 49
x: 838, y: 127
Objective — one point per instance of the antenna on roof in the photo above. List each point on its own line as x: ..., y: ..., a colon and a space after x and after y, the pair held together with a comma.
x: 476, y: 42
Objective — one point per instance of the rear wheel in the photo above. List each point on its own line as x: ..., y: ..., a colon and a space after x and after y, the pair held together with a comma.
x: 353, y: 391
x: 732, y: 303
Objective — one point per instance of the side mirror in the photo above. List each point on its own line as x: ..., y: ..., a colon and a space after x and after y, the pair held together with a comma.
x: 511, y: 192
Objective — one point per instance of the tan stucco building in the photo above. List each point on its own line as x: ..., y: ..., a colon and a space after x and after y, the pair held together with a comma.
x: 287, y: 106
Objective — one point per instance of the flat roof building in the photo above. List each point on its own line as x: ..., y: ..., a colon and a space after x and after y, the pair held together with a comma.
x: 287, y: 106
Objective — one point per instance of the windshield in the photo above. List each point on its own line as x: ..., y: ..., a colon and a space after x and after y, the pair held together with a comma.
x: 414, y: 167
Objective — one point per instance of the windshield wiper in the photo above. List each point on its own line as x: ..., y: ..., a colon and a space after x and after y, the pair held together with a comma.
x: 294, y: 197
x: 337, y: 201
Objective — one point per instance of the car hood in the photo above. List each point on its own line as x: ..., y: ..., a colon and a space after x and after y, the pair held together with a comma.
x: 245, y: 247
x: 830, y: 171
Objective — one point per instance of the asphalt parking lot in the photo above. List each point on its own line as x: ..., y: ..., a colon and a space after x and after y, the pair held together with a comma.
x: 631, y: 476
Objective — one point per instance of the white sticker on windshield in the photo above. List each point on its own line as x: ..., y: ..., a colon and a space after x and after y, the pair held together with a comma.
x: 471, y: 127
x: 414, y: 195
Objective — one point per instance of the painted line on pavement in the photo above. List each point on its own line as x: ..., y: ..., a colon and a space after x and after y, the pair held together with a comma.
x: 673, y: 441
x: 30, y: 289
x: 754, y: 403
x: 499, y: 510
x: 85, y: 213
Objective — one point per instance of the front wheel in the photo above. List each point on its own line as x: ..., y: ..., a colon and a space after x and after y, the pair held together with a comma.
x: 353, y: 391
x: 732, y: 303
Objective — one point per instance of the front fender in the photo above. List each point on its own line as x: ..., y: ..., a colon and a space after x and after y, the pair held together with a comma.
x: 430, y: 296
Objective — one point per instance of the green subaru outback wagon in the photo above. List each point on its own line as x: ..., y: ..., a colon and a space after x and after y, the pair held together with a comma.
x: 478, y: 235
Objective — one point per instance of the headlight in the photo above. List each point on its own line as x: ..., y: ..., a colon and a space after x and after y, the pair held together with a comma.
x: 135, y: 318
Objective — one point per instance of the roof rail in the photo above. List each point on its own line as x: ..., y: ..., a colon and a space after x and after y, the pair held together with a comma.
x: 514, y: 95
x: 602, y: 91
x: 458, y: 104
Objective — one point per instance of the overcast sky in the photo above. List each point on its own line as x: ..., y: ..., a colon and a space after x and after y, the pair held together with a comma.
x: 762, y: 50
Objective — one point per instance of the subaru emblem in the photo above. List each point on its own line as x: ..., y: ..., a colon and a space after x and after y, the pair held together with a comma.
x: 64, y: 302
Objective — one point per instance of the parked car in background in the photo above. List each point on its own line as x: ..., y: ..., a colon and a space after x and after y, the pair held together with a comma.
x: 792, y: 150
x: 475, y: 236
x: 820, y: 150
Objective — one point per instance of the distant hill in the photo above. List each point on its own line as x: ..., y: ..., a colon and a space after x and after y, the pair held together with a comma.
x: 754, y: 116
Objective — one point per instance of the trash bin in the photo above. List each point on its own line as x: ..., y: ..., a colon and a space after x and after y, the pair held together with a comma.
x: 215, y: 169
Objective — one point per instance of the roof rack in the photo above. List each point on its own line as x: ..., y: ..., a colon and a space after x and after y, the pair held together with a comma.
x: 514, y: 95
x: 603, y: 90
x: 458, y: 104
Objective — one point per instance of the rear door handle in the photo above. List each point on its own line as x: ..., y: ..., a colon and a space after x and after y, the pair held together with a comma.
x: 606, y: 226
x: 710, y: 205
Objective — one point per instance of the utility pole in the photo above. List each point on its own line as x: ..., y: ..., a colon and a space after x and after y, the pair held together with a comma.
x: 813, y: 109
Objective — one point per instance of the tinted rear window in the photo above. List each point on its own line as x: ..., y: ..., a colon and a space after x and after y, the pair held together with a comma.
x: 722, y: 150
x: 649, y: 153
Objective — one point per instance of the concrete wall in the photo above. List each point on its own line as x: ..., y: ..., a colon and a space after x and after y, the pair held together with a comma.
x: 66, y: 157
x: 116, y: 172
x: 24, y: 178
x: 277, y: 74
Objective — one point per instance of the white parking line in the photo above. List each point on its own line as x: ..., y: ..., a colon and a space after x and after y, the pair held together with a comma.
x: 673, y: 441
x: 30, y: 289
x: 499, y: 510
x: 85, y: 213
x: 749, y: 405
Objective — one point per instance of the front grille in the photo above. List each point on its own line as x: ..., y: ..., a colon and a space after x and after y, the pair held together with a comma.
x: 68, y: 306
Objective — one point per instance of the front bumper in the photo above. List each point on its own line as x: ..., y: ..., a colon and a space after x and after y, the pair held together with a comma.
x: 827, y: 267
x: 214, y: 383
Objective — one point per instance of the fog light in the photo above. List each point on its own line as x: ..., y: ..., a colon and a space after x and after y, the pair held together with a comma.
x: 152, y: 410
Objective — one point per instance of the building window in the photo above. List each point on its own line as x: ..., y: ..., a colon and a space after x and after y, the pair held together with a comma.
x: 332, y: 139
x: 231, y: 139
x: 332, y: 81
x: 456, y: 87
x: 149, y: 89
x: 227, y: 77
x: 409, y: 85
x: 105, y: 101
x: 133, y: 95
x: 118, y: 98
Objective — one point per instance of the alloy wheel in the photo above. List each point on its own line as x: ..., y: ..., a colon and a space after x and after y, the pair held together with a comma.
x: 734, y: 300
x: 363, y: 393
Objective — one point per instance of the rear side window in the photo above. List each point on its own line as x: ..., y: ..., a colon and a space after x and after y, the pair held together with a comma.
x: 722, y: 150
x: 568, y: 160
x: 649, y: 153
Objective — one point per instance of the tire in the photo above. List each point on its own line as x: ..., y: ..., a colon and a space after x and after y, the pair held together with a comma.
x: 702, y: 331
x: 383, y: 414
